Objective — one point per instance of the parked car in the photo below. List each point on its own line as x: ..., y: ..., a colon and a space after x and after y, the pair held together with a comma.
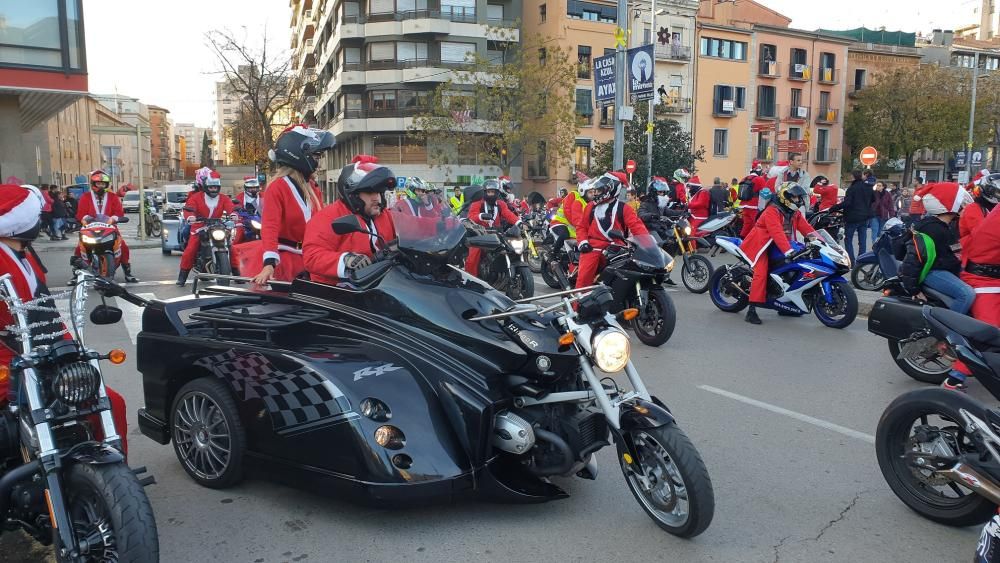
x: 175, y: 195
x: 131, y: 202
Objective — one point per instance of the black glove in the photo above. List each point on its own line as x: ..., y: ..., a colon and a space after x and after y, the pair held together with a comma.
x: 485, y: 217
x: 584, y: 247
x: 354, y: 262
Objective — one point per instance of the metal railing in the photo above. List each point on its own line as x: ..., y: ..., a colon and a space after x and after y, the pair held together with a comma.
x: 798, y: 71
x: 673, y: 105
x: 724, y: 108
x: 769, y: 69
x: 405, y: 64
x: 772, y: 111
x: 827, y: 75
x: 673, y: 52
x: 764, y: 153
x: 798, y: 112
x: 827, y: 115
x: 827, y: 154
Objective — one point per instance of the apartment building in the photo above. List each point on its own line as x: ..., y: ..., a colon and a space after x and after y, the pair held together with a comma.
x: 370, y: 66
x: 675, y: 78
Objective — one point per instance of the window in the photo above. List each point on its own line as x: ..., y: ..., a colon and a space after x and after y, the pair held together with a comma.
x: 799, y: 67
x: 542, y: 161
x: 383, y: 101
x: 860, y: 78
x: 827, y: 60
x: 720, y: 145
x: 741, y: 97
x: 799, y: 56
x: 766, y: 102
x: 608, y: 51
x: 583, y: 57
x: 457, y: 52
x: 31, y: 32
x: 723, y: 49
x: 408, y: 99
x: 796, y: 97
x: 647, y: 36
x: 542, y: 54
x: 590, y: 11
x: 824, y: 101
x: 459, y: 10
x: 494, y: 13
x: 379, y: 52
x: 823, y: 152
x: 581, y: 155
x: 767, y: 53
x: 352, y: 55
x: 724, y: 102
x: 541, y: 12
x: 381, y: 7
x: 584, y: 102
x: 406, y: 51
x: 794, y: 134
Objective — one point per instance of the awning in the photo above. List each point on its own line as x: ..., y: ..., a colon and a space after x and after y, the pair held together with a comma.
x: 37, y: 106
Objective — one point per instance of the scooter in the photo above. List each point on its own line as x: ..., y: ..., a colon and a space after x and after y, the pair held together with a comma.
x: 868, y: 273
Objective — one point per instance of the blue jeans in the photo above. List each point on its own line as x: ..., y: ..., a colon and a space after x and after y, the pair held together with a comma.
x: 950, y: 285
x: 875, y: 224
x: 862, y: 230
x: 58, y: 224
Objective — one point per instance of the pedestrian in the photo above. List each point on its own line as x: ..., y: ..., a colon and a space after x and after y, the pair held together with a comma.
x: 720, y: 197
x: 915, y: 207
x: 46, y: 209
x: 632, y: 199
x: 59, y: 215
x: 857, y: 207
x: 884, y: 207
x: 869, y: 178
x: 826, y: 193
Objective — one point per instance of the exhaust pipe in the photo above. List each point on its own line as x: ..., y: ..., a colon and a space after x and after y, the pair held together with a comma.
x: 13, y: 477
x: 964, y: 474
x: 556, y: 469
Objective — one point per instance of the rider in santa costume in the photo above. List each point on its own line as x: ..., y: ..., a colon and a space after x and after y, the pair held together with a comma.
x: 981, y: 254
x: 985, y: 195
x: 606, y: 212
x: 490, y: 212
x: 98, y: 203
x: 699, y: 201
x: 749, y: 208
x: 206, y: 204
x: 20, y: 224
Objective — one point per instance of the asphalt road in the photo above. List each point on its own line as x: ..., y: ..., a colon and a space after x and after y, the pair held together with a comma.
x: 784, y: 416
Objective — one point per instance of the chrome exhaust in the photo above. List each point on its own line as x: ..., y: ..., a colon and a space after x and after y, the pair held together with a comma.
x: 966, y: 476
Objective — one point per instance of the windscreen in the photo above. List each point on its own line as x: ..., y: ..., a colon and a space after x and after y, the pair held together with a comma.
x: 177, y: 197
x: 435, y: 234
x: 648, y: 252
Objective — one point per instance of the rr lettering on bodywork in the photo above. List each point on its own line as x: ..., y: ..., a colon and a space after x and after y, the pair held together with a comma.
x: 374, y: 370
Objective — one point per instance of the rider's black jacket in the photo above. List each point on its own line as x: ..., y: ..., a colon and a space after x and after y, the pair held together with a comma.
x: 650, y: 212
x: 944, y: 239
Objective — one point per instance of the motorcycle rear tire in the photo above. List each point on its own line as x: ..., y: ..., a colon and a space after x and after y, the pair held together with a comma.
x: 549, y: 275
x: 113, y: 491
x: 693, y: 268
x: 663, y: 306
x: 923, y: 376
x: 862, y: 273
x: 890, y: 444
x: 714, y: 284
x: 154, y: 225
x: 223, y: 267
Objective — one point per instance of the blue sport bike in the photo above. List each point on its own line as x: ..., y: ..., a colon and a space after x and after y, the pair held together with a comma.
x: 811, y: 280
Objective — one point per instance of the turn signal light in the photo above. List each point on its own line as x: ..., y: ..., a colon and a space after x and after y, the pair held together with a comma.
x: 567, y: 339
x: 629, y: 314
x: 117, y: 356
x: 4, y: 373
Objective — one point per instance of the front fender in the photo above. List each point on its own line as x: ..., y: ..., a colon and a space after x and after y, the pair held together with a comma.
x: 638, y: 414
x: 93, y: 453
x: 828, y: 286
x: 867, y: 258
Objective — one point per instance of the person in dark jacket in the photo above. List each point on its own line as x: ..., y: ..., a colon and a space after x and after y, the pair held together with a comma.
x: 857, y: 207
x: 656, y: 213
x: 59, y: 215
x: 720, y: 197
x: 884, y: 207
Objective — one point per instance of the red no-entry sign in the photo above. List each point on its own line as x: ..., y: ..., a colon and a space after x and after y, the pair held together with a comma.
x: 868, y: 156
x: 630, y: 167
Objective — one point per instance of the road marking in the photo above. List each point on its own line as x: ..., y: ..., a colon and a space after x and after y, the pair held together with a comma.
x: 132, y: 315
x: 792, y: 414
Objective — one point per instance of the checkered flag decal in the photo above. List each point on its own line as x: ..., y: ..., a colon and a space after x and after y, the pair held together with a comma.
x: 294, y: 399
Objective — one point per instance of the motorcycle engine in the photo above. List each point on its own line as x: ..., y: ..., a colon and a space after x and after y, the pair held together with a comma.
x: 512, y: 433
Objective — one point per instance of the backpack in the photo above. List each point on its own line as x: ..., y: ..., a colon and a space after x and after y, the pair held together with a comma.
x: 746, y: 192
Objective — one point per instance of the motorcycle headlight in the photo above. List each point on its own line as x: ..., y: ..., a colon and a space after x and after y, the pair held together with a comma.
x: 611, y: 350
x: 75, y: 383
x: 687, y: 230
x: 255, y: 224
x: 87, y: 239
x: 219, y: 235
x: 518, y: 244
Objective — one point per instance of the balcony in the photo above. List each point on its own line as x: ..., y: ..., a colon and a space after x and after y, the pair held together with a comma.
x: 768, y: 69
x: 826, y: 155
x: 768, y: 112
x: 764, y: 153
x: 854, y: 89
x: 827, y: 75
x: 724, y: 108
x: 673, y: 53
x: 827, y: 115
x: 800, y: 72
x: 798, y: 112
x: 673, y: 106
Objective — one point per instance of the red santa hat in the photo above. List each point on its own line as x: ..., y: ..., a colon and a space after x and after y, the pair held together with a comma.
x: 213, y: 178
x: 978, y: 178
x: 945, y: 197
x: 621, y: 176
x: 756, y: 167
x: 20, y: 208
x: 694, y: 181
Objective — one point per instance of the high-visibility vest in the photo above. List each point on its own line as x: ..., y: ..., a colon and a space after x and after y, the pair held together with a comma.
x: 560, y: 216
x: 457, y: 203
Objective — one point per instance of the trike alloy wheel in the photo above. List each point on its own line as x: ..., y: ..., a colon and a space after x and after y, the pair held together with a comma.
x: 669, y: 480
x: 657, y: 318
x: 927, y: 367
x: 111, y: 515
x: 928, y: 421
x: 208, y: 436
x: 696, y: 272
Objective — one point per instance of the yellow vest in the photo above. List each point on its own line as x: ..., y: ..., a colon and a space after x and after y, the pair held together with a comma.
x: 457, y: 203
x: 560, y: 216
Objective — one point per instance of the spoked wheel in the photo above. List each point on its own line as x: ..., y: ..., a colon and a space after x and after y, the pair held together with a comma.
x: 154, y: 226
x: 656, y: 320
x: 669, y: 480
x: 929, y: 366
x: 867, y: 277
x: 111, y: 515
x: 928, y: 421
x: 723, y: 293
x: 208, y: 436
x: 841, y: 310
x: 696, y: 271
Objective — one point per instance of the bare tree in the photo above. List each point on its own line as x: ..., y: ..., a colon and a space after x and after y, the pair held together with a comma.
x: 262, y: 80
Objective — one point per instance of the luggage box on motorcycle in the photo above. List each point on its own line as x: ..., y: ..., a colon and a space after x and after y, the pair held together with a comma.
x: 896, y: 318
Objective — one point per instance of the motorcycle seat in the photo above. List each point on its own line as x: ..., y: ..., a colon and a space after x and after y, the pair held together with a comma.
x: 978, y: 331
x: 946, y: 299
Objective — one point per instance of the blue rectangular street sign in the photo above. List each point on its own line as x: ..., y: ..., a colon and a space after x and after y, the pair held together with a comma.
x: 604, y: 80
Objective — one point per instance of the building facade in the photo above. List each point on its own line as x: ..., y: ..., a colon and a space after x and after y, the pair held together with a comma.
x: 193, y: 138
x: 134, y: 114
x: 162, y: 144
x: 675, y: 78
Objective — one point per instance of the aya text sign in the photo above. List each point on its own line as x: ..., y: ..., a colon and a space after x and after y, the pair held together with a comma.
x: 868, y: 156
x: 604, y: 80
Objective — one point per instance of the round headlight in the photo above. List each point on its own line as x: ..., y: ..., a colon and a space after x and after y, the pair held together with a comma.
x: 390, y: 437
x: 219, y: 235
x: 76, y: 383
x: 518, y: 245
x: 611, y: 350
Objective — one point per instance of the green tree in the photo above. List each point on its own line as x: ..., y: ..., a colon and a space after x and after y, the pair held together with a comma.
x: 206, y: 150
x: 906, y: 110
x: 671, y: 148
x: 517, y: 103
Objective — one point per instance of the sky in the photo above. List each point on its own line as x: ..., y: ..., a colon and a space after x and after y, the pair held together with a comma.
x: 156, y: 51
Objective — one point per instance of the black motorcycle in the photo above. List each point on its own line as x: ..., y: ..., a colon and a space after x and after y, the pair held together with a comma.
x: 65, y: 480
x: 536, y: 239
x: 873, y: 268
x: 832, y: 221
x: 939, y: 450
x: 216, y: 244
x: 501, y: 265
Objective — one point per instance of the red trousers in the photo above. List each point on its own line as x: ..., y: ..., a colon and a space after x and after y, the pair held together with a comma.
x: 472, y: 262
x: 986, y: 308
x: 758, y: 287
x: 749, y: 218
x: 191, y: 252
x: 590, y: 264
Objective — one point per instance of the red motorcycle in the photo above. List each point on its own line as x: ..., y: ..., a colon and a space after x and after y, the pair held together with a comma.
x: 100, y: 247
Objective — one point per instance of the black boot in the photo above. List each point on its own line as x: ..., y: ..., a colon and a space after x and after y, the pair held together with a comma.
x: 669, y: 281
x: 752, y: 317
x: 182, y: 277
x: 129, y: 278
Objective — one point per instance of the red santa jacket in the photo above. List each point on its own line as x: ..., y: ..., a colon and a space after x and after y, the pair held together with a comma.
x: 828, y: 196
x: 554, y: 203
x: 759, y: 183
x: 770, y: 227
x: 324, y: 251
x: 242, y: 200
x: 599, y: 219
x: 202, y: 206
x: 679, y: 194
x: 971, y: 218
x: 406, y: 206
x: 698, y: 205
x: 109, y: 205
x: 284, y: 225
x: 500, y: 212
x: 984, y: 248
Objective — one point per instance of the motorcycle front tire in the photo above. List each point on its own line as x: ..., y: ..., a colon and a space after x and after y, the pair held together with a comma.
x: 694, y: 267
x: 223, y: 267
x: 861, y: 274
x: 549, y: 275
x: 660, y: 304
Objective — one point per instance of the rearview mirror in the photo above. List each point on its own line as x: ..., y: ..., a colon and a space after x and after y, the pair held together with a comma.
x: 105, y: 315
x: 348, y: 224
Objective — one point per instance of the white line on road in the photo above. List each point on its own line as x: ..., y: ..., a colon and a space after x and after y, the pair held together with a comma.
x: 792, y: 414
x: 132, y: 315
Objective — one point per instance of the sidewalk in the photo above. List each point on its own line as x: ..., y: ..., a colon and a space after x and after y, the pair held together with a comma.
x: 866, y: 300
x: 129, y: 230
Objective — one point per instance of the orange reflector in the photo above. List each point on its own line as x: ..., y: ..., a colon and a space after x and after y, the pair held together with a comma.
x: 52, y: 513
x: 629, y: 314
x: 117, y: 356
x: 4, y: 373
x: 567, y: 339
